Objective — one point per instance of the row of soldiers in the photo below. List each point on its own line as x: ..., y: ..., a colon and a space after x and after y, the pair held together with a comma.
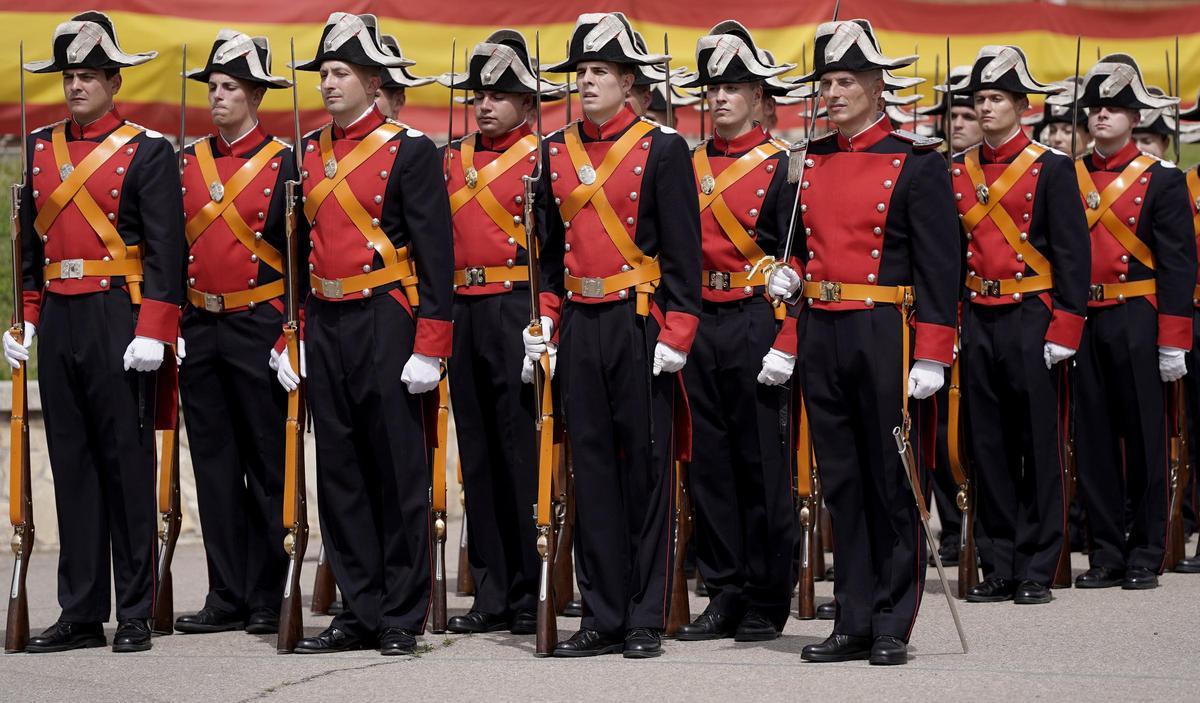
x: 695, y: 305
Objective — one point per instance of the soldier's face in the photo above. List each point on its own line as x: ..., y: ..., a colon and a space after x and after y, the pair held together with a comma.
x: 1112, y: 123
x: 89, y: 93
x: 499, y: 113
x: 964, y: 128
x: 999, y: 111
x: 390, y: 101
x: 1153, y: 144
x: 850, y: 97
x: 640, y: 97
x: 734, y: 105
x: 603, y: 87
x: 346, y: 89
x: 232, y: 101
x: 1059, y: 136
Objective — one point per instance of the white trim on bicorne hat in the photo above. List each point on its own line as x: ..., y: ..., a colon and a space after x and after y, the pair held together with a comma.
x: 726, y: 47
x: 1005, y: 59
x: 347, y: 26
x: 844, y: 35
x: 1122, y: 75
x: 237, y: 45
x: 1066, y: 97
x: 500, y: 57
x: 608, y: 27
x: 391, y: 45
x: 89, y: 35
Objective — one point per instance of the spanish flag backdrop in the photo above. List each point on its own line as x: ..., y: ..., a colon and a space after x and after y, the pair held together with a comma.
x: 151, y: 92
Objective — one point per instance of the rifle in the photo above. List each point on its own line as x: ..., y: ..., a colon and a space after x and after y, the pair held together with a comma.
x: 807, y: 606
x: 543, y: 421
x: 437, y: 500
x: 295, y: 502
x: 679, y: 613
x: 466, y: 582
x: 170, y: 513
x: 1180, y: 474
x: 564, y: 567
x: 20, y: 495
x: 1062, y: 573
x: 968, y: 566
x: 324, y: 586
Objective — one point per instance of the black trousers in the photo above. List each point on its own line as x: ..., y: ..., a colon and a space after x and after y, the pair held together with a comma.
x: 373, y: 473
x: 102, y: 455
x: 941, y: 480
x: 1122, y: 406
x: 619, y: 423
x: 494, y: 417
x: 1014, y: 439
x: 740, y: 473
x: 1192, y: 380
x: 852, y: 383
x: 235, y: 412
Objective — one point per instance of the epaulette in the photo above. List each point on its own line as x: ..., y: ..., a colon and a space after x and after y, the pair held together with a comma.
x: 1163, y: 162
x: 797, y: 156
x: 781, y: 143
x: 917, y: 140
x: 52, y: 125
x: 821, y: 137
x: 560, y: 130
x: 145, y: 130
x: 1048, y: 148
x: 277, y: 139
x: 194, y: 142
x: 963, y: 153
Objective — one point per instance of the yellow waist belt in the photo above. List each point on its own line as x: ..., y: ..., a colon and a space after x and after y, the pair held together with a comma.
x: 1002, y: 287
x: 832, y: 292
x: 1121, y: 291
x: 644, y: 278
x: 219, y: 302
x: 482, y: 275
x: 337, y: 288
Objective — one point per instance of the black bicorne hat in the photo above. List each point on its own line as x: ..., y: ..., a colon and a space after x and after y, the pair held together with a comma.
x: 87, y: 40
x: 1116, y: 81
x: 955, y: 81
x: 849, y: 46
x: 727, y: 54
x: 241, y: 56
x: 1057, y: 108
x: 1192, y: 115
x: 394, y: 78
x: 1004, y: 68
x: 604, y: 36
x: 355, y: 40
x: 500, y: 63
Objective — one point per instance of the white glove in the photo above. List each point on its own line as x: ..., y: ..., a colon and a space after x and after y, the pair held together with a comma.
x: 1054, y: 353
x: 180, y: 351
x: 668, y: 359
x: 536, y: 346
x: 783, y: 283
x: 528, y: 365
x: 144, y: 354
x: 1171, y: 364
x: 777, y: 368
x: 925, y: 379
x: 421, y: 373
x: 282, y: 366
x: 15, y: 353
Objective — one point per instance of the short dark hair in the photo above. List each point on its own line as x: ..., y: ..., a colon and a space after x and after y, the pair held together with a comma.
x: 110, y: 72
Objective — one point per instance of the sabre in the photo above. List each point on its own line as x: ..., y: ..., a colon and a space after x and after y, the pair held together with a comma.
x: 667, y: 83
x: 1075, y: 97
x: 947, y: 117
x: 450, y: 112
x: 1177, y: 95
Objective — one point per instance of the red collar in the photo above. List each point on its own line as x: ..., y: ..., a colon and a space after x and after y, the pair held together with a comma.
x: 867, y: 138
x: 1008, y: 150
x: 366, y: 124
x: 1117, y: 161
x: 611, y: 129
x: 740, y: 144
x: 243, y: 145
x: 102, y: 126
x: 504, y: 141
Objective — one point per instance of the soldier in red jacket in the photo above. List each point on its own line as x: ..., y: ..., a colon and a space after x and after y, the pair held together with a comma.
x: 621, y: 266
x: 1026, y: 285
x: 1138, y: 331
x: 103, y: 279
x: 493, y: 409
x: 233, y: 196
x: 743, y: 355
x: 881, y: 267
x: 377, y: 322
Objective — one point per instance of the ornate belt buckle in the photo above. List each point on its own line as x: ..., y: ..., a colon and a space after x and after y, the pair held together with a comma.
x: 332, y: 289
x: 718, y: 280
x: 593, y: 287
x: 990, y: 287
x: 476, y: 276
x: 831, y: 291
x: 1096, y: 292
x: 214, y: 302
x: 71, y: 268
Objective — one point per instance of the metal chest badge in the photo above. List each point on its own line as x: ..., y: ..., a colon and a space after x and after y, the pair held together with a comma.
x: 981, y: 193
x: 587, y: 174
x: 707, y: 184
x: 472, y: 177
x: 1093, y: 200
x: 331, y: 168
x: 216, y: 191
x: 65, y: 171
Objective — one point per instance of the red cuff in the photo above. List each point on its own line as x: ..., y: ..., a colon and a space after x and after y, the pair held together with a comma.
x: 935, y: 343
x: 1175, y: 331
x: 679, y: 330
x: 282, y: 341
x: 32, y: 306
x: 434, y: 337
x: 1066, y: 329
x: 158, y: 320
x: 551, y: 306
x: 786, y: 341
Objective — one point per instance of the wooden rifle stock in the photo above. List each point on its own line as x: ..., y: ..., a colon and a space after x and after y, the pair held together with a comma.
x: 465, y: 586
x: 438, y: 508
x: 1180, y: 473
x: 1062, y: 572
x: 807, y: 602
x: 679, y: 613
x: 170, y: 519
x: 564, y: 565
x: 324, y: 587
x: 968, y: 565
